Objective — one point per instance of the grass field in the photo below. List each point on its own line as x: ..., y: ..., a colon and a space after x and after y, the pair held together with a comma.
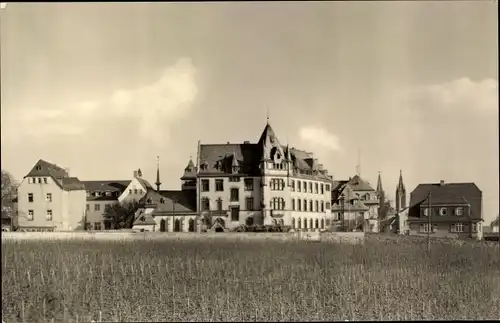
x: 214, y: 280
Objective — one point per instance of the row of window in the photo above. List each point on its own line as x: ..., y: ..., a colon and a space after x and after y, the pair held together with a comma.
x: 459, y: 211
x: 48, y: 197
x: 308, y: 223
x: 97, y: 207
x: 31, y: 215
x: 93, y: 226
x: 37, y: 180
x: 277, y: 203
x: 307, y: 187
x: 455, y: 227
x: 219, y: 184
x: 106, y: 193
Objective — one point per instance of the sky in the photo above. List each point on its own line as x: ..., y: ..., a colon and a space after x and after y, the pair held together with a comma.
x: 104, y: 88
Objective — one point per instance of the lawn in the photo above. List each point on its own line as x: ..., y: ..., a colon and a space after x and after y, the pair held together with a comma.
x: 215, y: 280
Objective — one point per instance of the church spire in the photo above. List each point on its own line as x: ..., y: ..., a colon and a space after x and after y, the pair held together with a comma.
x: 379, y: 184
x: 158, y: 183
x: 401, y: 185
x: 400, y: 194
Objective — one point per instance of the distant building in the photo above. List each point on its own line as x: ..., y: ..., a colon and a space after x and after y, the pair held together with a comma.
x: 455, y: 210
x: 400, y: 221
x: 494, y: 225
x: 49, y: 199
x: 355, y: 204
x: 101, y: 194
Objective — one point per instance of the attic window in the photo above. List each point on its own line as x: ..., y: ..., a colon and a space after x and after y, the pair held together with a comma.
x: 143, y: 218
x: 162, y: 201
x: 149, y: 201
x: 38, y: 167
x: 108, y: 193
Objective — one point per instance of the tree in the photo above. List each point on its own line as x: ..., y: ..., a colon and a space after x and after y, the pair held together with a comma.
x: 120, y: 215
x: 8, y: 188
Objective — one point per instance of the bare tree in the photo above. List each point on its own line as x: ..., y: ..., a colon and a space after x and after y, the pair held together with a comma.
x: 9, y: 189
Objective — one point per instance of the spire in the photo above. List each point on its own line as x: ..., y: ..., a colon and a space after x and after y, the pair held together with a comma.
x: 379, y: 184
x: 158, y: 183
x: 267, y: 115
x: 401, y: 185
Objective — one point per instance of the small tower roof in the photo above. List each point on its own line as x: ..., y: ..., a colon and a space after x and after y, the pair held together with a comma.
x: 401, y: 185
x: 379, y: 184
x: 189, y: 171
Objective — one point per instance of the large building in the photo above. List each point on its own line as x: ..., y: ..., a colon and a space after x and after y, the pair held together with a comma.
x: 262, y: 183
x: 49, y: 199
x: 455, y: 210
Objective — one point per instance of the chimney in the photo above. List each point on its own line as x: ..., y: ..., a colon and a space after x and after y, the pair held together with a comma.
x: 441, y: 183
x: 246, y: 142
x: 67, y: 170
x: 228, y: 143
x: 135, y: 174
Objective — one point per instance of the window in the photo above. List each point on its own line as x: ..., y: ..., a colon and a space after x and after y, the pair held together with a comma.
x: 235, y: 214
x: 322, y: 206
x: 48, y: 197
x: 38, y: 167
x: 234, y: 179
x: 30, y: 197
x: 248, y: 184
x: 48, y: 217
x: 97, y: 207
x: 293, y: 204
x: 88, y: 207
x: 317, y: 206
x: 299, y: 204
x: 327, y: 188
x: 205, y: 204
x: 305, y: 205
x: 31, y: 215
x: 219, y: 204
x: 304, y: 185
x: 135, y: 191
x: 322, y: 189
x: 39, y: 180
x: 426, y: 211
x: 327, y: 205
x: 249, y: 203
x: 130, y: 191
x: 299, y: 223
x: 459, y: 211
x: 97, y: 225
x: 476, y: 227
x: 310, y: 187
x: 299, y: 189
x: 219, y: 185
x: 443, y: 211
x: 457, y: 227
x: 293, y: 186
x: 277, y: 184
x: 311, y: 206
x: 205, y: 185
x: 278, y: 203
x: 235, y: 195
x: 97, y: 194
x: 424, y: 227
x: 108, y: 193
x: 88, y: 226
x: 88, y: 193
x: 316, y: 188
x: 149, y: 200
x: 45, y: 180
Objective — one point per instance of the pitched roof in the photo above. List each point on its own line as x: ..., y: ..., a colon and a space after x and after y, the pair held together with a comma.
x: 449, y: 193
x: 144, y: 183
x: 104, y: 186
x: 185, y: 201
x: 359, y: 184
x: 72, y: 184
x: 44, y: 168
x: 144, y: 219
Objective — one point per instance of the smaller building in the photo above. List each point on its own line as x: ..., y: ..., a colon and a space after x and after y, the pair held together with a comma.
x: 446, y: 210
x: 494, y: 226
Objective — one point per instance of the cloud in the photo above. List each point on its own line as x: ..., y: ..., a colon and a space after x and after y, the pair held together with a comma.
x: 152, y: 108
x: 319, y: 138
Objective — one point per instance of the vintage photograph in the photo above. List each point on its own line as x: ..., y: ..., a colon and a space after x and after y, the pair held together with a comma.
x: 249, y: 161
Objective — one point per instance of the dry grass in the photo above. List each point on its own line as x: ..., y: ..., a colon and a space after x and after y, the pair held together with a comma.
x: 216, y: 279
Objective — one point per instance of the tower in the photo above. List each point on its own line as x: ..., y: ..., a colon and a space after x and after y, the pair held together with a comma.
x: 400, y: 194
x: 158, y: 183
x: 380, y: 195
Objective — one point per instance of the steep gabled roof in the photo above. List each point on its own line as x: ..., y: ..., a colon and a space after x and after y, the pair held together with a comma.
x: 104, y: 186
x: 72, y: 184
x: 189, y: 171
x: 144, y: 219
x: 217, y: 159
x: 44, y: 168
x: 268, y: 137
x: 144, y: 183
x: 185, y: 201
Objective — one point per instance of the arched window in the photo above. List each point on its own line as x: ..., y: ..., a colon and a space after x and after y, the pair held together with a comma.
x: 310, y: 223
x: 316, y: 224
x: 191, y: 225
x: 162, y: 225
x: 305, y: 205
x: 305, y: 223
x: 177, y: 225
x: 299, y: 223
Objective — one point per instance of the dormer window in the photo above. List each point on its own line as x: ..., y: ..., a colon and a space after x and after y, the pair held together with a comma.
x: 88, y: 194
x: 162, y: 201
x: 38, y: 167
x: 149, y: 201
x: 108, y: 193
x: 97, y: 193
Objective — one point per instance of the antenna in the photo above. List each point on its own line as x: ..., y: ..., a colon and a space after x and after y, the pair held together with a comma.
x: 267, y: 106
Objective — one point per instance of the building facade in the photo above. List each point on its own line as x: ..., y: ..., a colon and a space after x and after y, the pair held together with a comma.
x: 263, y: 183
x: 455, y: 210
x: 355, y: 205
x: 48, y: 199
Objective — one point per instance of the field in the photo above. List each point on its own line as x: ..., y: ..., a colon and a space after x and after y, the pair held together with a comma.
x: 228, y: 279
